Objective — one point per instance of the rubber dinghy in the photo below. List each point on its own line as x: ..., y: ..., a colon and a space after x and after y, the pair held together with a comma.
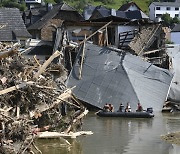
x: 126, y: 114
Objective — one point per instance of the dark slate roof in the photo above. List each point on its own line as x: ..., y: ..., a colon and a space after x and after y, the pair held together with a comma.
x: 41, y: 50
x: 52, y: 13
x: 39, y: 11
x: 137, y: 14
x: 126, y: 6
x: 175, y: 4
x: 176, y: 28
x: 106, y: 13
x: 12, y: 25
x: 110, y: 18
x: 102, y: 13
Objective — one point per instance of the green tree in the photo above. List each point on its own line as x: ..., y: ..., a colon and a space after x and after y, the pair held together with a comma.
x: 49, y: 1
x: 166, y: 19
x: 126, y: 1
x: 176, y: 20
x: 81, y: 4
x: 13, y: 4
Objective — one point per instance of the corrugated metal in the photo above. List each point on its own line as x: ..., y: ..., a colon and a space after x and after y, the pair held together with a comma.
x: 111, y: 77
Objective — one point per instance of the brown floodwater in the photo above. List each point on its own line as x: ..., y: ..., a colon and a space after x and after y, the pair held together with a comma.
x: 119, y: 136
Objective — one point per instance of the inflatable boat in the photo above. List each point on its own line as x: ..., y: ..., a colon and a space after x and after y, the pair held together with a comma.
x: 125, y: 114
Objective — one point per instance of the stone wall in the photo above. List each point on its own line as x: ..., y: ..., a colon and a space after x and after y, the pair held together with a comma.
x: 49, y: 30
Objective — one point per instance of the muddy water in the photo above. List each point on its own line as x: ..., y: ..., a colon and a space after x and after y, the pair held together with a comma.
x: 119, y: 136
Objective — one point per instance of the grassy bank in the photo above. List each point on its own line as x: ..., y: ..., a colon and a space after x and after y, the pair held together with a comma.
x: 143, y: 4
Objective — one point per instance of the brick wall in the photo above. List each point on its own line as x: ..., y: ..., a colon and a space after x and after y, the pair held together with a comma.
x: 47, y: 31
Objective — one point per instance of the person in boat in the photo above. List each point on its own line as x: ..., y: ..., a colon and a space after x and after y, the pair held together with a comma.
x: 139, y: 108
x: 128, y: 108
x: 111, y: 108
x: 106, y: 108
x: 121, y: 107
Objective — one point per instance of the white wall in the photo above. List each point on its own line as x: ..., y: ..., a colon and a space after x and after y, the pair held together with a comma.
x: 33, y: 1
x: 171, y: 12
x: 121, y: 29
x: 153, y: 12
x: 175, y: 37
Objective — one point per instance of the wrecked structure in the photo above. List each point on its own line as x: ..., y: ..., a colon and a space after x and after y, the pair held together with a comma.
x: 174, y: 53
x: 33, y: 99
x: 107, y: 75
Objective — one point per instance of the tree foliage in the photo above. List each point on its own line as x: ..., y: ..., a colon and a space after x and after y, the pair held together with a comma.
x: 168, y: 21
x: 13, y: 4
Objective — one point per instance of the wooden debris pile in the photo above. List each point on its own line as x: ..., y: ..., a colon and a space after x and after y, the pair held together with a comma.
x: 33, y: 98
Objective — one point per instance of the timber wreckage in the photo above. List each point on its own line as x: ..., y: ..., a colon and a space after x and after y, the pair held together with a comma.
x: 34, y: 99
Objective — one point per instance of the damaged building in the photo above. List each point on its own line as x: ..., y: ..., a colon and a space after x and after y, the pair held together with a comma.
x: 106, y: 75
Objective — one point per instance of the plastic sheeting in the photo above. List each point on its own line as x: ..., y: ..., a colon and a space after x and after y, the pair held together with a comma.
x: 174, y: 53
x: 112, y: 77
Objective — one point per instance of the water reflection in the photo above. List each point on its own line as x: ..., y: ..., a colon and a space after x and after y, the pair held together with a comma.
x: 120, y: 136
x: 56, y: 146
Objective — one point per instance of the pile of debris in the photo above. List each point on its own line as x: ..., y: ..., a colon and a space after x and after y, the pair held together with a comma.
x: 33, y: 99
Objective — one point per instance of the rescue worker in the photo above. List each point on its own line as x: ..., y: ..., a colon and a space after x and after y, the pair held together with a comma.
x: 111, y: 108
x: 121, y: 107
x: 128, y: 108
x: 139, y: 108
x: 106, y: 108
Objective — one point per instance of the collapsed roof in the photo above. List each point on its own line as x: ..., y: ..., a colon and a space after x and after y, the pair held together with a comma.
x: 118, y: 77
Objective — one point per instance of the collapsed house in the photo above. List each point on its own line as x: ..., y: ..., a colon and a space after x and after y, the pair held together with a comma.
x: 43, y: 23
x: 107, y: 75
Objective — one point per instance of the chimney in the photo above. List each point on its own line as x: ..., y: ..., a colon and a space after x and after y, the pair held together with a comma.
x: 113, y: 12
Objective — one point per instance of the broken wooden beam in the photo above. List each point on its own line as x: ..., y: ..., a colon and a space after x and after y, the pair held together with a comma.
x: 95, y: 32
x: 52, y: 135
x: 46, y: 63
x: 82, y: 60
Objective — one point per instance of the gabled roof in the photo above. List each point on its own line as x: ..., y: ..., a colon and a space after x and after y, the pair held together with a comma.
x: 105, y: 13
x: 63, y: 7
x: 126, y: 6
x: 137, y: 14
x: 12, y: 25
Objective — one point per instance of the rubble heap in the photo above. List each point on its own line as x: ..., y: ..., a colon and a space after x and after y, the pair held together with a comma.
x: 33, y: 99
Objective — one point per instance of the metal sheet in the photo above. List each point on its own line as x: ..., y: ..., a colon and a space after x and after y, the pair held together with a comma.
x: 111, y: 77
x: 174, y: 53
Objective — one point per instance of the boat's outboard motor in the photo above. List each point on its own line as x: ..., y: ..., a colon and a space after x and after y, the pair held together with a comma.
x: 150, y: 110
